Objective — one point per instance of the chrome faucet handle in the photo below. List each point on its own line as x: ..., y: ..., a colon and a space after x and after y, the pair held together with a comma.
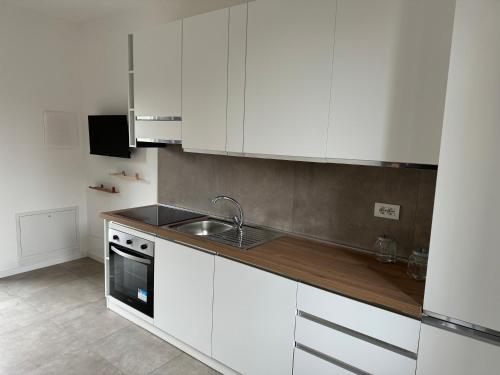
x: 237, y: 220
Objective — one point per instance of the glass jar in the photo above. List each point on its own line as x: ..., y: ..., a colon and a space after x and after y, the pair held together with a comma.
x: 385, y: 250
x: 417, y: 264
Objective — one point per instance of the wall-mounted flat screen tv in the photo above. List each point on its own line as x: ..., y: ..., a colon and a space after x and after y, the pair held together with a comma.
x: 108, y: 135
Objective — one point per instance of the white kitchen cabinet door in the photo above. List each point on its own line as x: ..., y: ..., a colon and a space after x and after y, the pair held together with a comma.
x: 157, y: 70
x: 389, y: 79
x: 442, y: 352
x: 352, y: 350
x: 463, y: 273
x: 289, y: 67
x: 183, y: 288
x: 254, y: 319
x: 383, y: 325
x: 204, y: 81
x: 307, y: 364
x: 157, y: 57
x: 236, y: 77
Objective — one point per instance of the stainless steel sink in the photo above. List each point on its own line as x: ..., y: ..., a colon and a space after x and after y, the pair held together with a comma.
x: 218, y: 231
x: 204, y: 227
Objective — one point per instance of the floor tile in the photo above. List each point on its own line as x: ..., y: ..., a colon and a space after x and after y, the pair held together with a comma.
x: 55, y: 321
x: 135, y: 351
x: 7, y: 300
x: 16, y: 368
x: 26, y: 284
x: 37, y: 343
x: 84, y: 362
x: 19, y: 315
x: 97, y: 279
x: 88, y: 310
x: 184, y: 365
x: 96, y: 326
x: 83, y: 267
x: 64, y: 297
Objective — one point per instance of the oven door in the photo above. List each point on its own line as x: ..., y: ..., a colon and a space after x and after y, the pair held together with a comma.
x: 131, y: 278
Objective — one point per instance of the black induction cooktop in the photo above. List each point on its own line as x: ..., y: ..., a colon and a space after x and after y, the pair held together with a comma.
x: 159, y: 215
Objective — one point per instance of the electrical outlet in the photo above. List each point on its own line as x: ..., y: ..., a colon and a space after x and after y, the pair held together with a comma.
x: 387, y: 211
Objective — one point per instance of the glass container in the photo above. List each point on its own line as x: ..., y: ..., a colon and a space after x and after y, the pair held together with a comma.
x: 417, y: 264
x: 385, y: 250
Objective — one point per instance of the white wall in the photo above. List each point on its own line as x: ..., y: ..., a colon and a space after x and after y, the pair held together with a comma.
x: 103, y: 59
x: 47, y: 63
x: 38, y: 72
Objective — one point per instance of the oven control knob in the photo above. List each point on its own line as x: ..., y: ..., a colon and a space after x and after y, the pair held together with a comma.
x: 129, y: 242
x: 116, y: 238
x: 144, y: 246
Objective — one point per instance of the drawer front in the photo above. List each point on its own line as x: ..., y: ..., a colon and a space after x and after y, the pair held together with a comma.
x: 351, y: 350
x: 305, y: 363
x: 395, y: 329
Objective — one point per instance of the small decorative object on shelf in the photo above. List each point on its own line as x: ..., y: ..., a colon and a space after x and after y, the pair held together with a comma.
x: 385, y: 250
x: 124, y: 176
x: 104, y: 190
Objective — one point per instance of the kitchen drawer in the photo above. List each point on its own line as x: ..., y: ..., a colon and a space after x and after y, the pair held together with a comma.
x: 354, y: 351
x: 383, y: 325
x: 305, y: 363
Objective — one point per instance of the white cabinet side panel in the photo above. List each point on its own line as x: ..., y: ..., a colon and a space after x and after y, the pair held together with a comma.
x: 463, y: 273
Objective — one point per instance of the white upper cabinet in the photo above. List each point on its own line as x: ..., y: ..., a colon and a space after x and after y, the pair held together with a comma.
x: 213, y: 80
x: 204, y: 81
x: 157, y: 81
x: 236, y: 77
x: 288, y: 77
x: 254, y: 319
x: 389, y: 79
x: 184, y: 294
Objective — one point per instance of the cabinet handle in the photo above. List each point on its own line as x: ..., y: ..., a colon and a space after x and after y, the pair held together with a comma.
x: 158, y: 118
x: 128, y: 256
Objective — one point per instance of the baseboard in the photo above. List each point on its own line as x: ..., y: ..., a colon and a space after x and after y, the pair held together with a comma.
x: 136, y: 318
x: 43, y: 264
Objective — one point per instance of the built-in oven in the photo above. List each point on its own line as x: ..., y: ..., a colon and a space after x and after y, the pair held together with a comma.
x: 131, y: 270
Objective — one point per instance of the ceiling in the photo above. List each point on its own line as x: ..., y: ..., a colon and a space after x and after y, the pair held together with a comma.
x: 78, y: 10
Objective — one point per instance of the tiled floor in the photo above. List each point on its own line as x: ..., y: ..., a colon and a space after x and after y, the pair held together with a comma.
x: 54, y: 321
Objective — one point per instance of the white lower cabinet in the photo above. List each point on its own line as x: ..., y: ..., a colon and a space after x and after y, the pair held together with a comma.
x: 307, y: 364
x: 254, y: 319
x: 255, y: 322
x: 184, y: 294
x: 346, y: 335
x: 358, y: 352
x: 443, y: 352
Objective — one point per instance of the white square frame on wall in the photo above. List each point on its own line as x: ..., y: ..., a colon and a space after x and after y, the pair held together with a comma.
x: 60, y: 130
x: 65, y: 240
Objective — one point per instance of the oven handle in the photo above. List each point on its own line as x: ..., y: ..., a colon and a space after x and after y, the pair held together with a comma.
x: 128, y: 256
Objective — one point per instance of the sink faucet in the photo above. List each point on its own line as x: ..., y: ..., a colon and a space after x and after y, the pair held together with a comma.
x: 238, y: 220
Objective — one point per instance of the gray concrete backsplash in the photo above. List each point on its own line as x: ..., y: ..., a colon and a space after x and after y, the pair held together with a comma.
x: 331, y: 202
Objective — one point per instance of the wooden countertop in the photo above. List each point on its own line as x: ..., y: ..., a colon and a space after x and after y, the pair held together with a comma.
x: 333, y: 268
